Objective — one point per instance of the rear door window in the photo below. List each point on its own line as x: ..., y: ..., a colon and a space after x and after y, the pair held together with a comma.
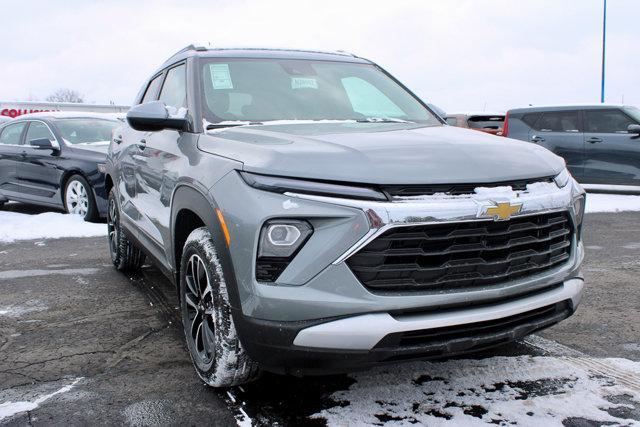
x: 607, y: 121
x: 174, y: 89
x: 11, y: 134
x: 559, y: 121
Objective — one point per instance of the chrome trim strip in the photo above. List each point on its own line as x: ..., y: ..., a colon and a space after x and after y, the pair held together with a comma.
x: 624, y: 189
x: 363, y: 332
x: 539, y: 199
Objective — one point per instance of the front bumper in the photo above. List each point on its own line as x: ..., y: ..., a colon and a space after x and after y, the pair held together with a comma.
x: 354, y: 343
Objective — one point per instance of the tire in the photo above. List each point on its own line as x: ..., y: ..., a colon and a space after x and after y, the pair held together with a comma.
x: 124, y: 255
x: 78, y: 198
x: 212, y: 340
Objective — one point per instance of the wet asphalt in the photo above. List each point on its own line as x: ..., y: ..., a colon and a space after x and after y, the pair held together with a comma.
x: 72, y: 317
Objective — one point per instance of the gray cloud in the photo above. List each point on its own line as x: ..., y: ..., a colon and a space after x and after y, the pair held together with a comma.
x: 458, y: 54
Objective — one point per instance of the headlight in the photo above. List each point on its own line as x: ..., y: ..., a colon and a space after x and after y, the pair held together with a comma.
x: 279, y: 184
x: 562, y: 179
x: 280, y: 241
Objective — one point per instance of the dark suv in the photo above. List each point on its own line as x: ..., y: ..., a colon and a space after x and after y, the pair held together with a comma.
x: 600, y: 143
x: 317, y: 217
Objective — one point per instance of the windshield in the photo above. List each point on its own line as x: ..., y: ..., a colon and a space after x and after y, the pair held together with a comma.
x: 486, y: 122
x: 634, y: 113
x: 259, y: 90
x: 86, y: 130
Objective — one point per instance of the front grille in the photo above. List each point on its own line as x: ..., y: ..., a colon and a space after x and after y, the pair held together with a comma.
x: 448, y: 256
x: 475, y: 336
x: 455, y: 189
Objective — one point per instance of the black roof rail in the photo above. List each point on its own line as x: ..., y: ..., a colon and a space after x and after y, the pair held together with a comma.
x: 188, y: 49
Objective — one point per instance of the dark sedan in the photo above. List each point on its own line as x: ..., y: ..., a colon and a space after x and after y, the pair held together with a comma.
x: 56, y: 159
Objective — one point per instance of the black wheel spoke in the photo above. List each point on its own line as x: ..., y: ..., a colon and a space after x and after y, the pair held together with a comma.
x: 199, y: 309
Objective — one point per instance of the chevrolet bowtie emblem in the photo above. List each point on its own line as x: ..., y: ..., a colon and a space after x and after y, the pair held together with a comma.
x: 502, y: 211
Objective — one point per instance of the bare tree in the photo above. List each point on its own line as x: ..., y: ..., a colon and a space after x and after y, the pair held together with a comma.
x: 66, y: 95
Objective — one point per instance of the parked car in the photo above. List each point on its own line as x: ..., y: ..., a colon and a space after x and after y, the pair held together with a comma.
x: 486, y: 122
x: 56, y: 159
x: 316, y: 217
x: 600, y: 142
x: 4, y: 119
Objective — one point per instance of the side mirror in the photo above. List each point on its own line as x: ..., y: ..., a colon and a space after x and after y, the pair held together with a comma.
x: 44, y: 144
x: 155, y: 116
x: 634, y: 129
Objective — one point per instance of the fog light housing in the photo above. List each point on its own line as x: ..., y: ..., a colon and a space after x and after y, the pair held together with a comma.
x: 280, y: 241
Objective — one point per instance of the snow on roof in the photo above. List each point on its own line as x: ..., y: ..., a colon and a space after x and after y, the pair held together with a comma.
x: 573, y: 105
x: 72, y: 115
x: 478, y: 113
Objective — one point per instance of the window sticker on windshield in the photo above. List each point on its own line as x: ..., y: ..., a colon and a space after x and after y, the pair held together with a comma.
x: 220, y: 76
x: 303, y: 83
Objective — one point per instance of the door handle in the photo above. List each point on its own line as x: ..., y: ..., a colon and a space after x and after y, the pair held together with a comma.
x: 117, y: 139
x: 594, y: 139
x: 142, y: 144
x: 536, y: 138
x: 24, y: 153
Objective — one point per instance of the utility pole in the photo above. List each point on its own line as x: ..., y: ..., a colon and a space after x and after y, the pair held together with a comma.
x: 604, y: 40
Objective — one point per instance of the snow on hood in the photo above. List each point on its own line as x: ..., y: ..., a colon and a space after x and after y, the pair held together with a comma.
x: 381, y: 153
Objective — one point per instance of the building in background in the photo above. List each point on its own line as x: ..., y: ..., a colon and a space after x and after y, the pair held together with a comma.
x: 17, y: 108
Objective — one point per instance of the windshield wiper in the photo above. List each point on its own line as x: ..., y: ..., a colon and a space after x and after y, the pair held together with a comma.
x: 230, y: 125
x: 382, y: 120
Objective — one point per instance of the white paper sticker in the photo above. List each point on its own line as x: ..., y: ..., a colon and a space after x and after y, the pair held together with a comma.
x: 220, y: 76
x: 304, y: 83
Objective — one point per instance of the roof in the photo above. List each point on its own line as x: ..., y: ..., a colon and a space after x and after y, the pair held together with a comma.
x: 559, y: 107
x: 70, y: 115
x: 261, y: 52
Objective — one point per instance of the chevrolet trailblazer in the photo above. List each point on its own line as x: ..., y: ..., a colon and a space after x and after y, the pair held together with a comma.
x: 317, y: 217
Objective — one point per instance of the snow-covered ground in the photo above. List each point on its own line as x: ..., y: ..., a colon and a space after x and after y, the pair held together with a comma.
x: 524, y: 390
x: 49, y: 225
x: 612, y: 203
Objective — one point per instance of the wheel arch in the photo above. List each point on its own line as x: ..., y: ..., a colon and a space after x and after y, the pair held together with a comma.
x: 190, y: 209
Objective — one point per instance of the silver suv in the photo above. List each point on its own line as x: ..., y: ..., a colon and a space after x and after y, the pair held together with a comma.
x: 317, y: 217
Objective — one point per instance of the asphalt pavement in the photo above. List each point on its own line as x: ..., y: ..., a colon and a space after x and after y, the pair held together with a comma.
x: 113, y: 343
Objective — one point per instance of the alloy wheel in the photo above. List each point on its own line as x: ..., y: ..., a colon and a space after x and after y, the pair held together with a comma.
x: 113, y: 228
x: 77, y: 199
x: 200, y: 310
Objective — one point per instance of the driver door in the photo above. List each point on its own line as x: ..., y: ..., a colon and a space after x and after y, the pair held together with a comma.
x: 39, y: 171
x: 612, y: 154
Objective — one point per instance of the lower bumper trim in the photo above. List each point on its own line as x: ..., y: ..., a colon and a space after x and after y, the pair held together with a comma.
x: 364, y: 332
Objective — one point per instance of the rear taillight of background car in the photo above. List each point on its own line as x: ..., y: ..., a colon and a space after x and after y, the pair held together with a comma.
x: 505, y: 128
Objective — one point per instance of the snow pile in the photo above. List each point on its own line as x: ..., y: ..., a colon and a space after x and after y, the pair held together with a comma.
x: 526, y: 390
x: 597, y: 202
x: 50, y: 225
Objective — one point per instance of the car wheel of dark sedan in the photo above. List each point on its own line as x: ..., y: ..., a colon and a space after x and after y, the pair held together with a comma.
x: 216, y: 352
x: 78, y: 198
x: 124, y: 255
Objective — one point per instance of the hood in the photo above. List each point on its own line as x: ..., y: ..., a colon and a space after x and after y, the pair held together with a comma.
x: 381, y: 153
x: 97, y: 147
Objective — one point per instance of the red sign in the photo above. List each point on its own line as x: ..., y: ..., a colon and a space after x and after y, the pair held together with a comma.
x: 15, y: 112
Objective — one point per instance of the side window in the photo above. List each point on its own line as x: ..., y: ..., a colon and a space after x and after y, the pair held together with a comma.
x: 38, y: 130
x: 152, y: 89
x: 453, y: 121
x: 559, y: 121
x: 11, y: 134
x: 174, y: 89
x: 607, y: 121
x: 531, y: 118
x: 363, y: 95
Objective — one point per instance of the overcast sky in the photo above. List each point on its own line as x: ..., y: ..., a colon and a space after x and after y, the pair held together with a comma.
x: 460, y: 55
